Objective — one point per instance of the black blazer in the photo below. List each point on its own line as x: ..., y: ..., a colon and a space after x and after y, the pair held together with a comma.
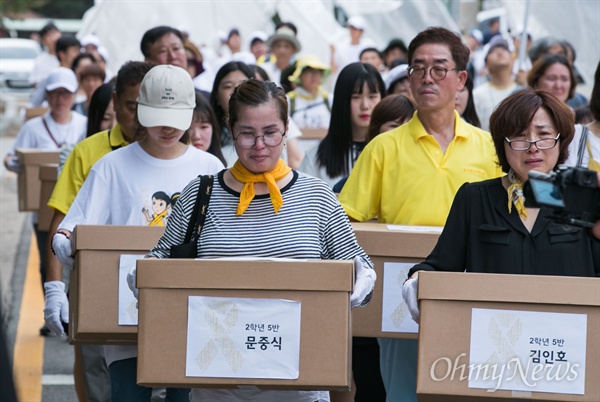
x: 480, y: 235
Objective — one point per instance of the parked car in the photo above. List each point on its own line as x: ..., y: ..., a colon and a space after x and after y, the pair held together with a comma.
x: 17, y: 58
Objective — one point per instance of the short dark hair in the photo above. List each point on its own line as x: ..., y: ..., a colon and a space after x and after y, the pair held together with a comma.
x: 80, y: 57
x: 541, y: 47
x: 544, y: 63
x: 255, y: 93
x: 154, y: 34
x: 371, y: 49
x: 46, y: 29
x: 439, y: 35
x: 595, y: 96
x: 515, y: 113
x: 65, y: 42
x: 390, y: 108
x: 93, y: 70
x: 130, y: 74
x: 470, y: 114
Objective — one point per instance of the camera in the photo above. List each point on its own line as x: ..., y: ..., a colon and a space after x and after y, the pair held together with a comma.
x: 572, y: 194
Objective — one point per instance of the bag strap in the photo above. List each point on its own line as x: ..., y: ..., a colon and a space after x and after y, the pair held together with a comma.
x: 200, y: 208
x: 50, y: 133
x: 581, y: 147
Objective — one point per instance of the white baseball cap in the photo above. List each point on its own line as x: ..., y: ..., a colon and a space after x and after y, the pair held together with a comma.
x: 167, y: 98
x: 357, y: 22
x: 62, y: 77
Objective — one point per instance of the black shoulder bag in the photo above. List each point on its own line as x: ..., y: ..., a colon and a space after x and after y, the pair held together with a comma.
x: 189, y: 247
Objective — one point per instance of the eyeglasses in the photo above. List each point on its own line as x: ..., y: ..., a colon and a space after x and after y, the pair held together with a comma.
x: 437, y: 73
x: 271, y: 138
x: 524, y: 145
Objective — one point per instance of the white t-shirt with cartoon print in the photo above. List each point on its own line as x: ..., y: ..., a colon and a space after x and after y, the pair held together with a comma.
x: 130, y: 187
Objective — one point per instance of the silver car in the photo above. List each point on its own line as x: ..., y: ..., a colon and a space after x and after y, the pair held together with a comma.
x: 17, y: 58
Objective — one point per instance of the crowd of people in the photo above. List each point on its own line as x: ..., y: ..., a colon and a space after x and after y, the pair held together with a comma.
x: 406, y: 130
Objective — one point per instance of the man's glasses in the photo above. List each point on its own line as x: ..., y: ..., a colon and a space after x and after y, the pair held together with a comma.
x: 271, y: 138
x: 524, y: 145
x: 437, y: 73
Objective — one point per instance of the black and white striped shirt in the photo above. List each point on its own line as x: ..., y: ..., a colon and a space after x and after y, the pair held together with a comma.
x: 311, y: 224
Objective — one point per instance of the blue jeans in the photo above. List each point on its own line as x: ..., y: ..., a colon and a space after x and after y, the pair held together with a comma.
x: 398, y: 362
x: 124, y: 388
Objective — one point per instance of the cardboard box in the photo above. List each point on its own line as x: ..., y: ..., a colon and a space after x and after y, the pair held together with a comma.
x: 93, y: 289
x: 384, y: 245
x: 313, y: 133
x: 48, y: 176
x: 322, y: 287
x: 28, y: 181
x: 35, y: 111
x: 447, y: 301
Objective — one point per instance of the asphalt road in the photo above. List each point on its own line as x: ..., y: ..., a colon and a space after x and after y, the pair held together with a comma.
x: 51, y: 365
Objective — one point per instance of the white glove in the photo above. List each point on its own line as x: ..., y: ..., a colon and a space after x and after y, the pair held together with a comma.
x: 409, y: 293
x: 363, y: 284
x: 131, y: 282
x: 56, y: 307
x: 62, y: 249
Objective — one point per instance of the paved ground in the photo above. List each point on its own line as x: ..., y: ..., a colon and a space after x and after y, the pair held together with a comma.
x: 56, y: 359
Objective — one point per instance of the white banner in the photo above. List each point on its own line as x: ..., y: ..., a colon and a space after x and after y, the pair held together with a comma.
x: 528, y: 351
x: 128, y: 312
x: 395, y: 316
x: 243, y: 338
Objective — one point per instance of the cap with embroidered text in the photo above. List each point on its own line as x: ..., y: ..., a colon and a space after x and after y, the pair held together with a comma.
x: 167, y: 98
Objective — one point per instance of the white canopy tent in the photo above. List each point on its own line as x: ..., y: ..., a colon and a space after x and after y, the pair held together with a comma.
x: 120, y: 25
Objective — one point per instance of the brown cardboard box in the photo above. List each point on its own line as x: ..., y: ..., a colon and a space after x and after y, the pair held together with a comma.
x: 35, y: 111
x: 93, y: 290
x: 28, y: 181
x: 384, y: 245
x: 446, y: 303
x: 323, y: 288
x: 313, y: 133
x: 48, y: 176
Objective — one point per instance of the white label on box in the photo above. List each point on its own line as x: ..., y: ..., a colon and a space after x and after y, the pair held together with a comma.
x: 243, y: 338
x: 128, y: 312
x: 528, y: 351
x: 395, y: 316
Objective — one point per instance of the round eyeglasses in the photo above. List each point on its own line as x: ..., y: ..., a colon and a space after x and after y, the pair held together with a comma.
x: 524, y: 145
x: 271, y: 138
x: 437, y: 73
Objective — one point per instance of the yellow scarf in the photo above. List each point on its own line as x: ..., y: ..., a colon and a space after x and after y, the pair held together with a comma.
x: 515, y: 195
x: 243, y: 175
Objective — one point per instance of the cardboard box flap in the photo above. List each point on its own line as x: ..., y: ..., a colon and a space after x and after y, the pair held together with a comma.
x: 49, y: 171
x: 377, y: 240
x: 115, y: 237
x: 313, y: 133
x: 34, y: 156
x: 318, y: 275
x: 539, y: 289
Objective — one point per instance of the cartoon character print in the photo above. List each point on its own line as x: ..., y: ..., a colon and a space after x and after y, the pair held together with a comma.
x: 161, y: 206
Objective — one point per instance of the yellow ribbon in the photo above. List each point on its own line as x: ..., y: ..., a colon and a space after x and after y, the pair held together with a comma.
x: 515, y: 195
x: 243, y: 175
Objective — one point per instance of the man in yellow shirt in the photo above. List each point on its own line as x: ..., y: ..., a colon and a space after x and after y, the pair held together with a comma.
x: 77, y: 167
x: 410, y: 175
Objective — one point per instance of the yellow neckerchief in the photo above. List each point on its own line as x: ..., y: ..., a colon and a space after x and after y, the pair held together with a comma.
x: 515, y: 195
x: 592, y: 163
x: 158, y: 219
x: 243, y: 175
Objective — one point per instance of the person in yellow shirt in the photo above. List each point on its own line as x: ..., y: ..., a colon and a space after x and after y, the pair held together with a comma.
x: 410, y: 175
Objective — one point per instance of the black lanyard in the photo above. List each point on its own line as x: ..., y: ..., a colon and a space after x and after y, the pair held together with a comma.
x: 50, y: 133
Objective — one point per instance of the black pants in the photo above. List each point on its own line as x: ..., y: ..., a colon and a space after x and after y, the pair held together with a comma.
x: 365, y: 366
x: 41, y: 237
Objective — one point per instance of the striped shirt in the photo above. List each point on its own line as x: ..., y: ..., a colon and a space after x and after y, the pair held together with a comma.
x: 311, y: 224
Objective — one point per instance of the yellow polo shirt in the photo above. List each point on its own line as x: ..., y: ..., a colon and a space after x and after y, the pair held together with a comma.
x: 79, y: 163
x: 403, y: 177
